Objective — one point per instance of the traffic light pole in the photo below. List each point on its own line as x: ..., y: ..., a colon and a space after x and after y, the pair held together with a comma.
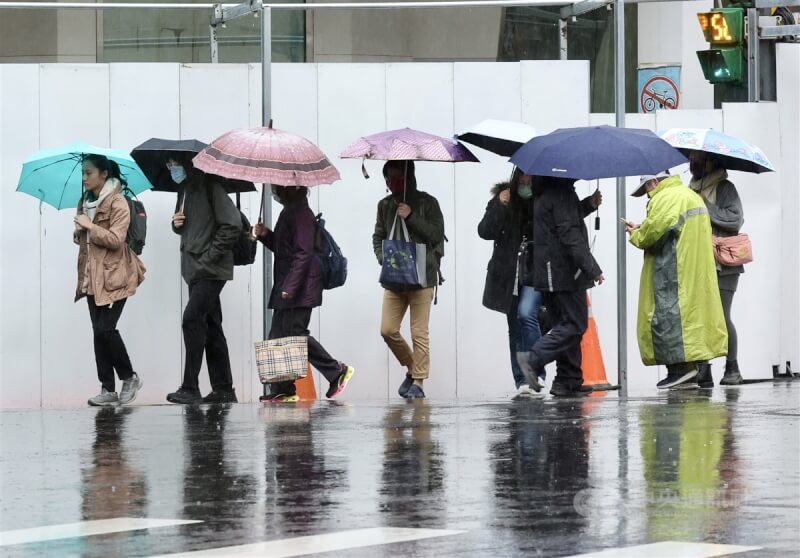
x: 622, y: 244
x: 753, y: 39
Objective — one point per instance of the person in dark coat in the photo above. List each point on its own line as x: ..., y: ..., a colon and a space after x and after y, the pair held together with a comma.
x: 507, y: 222
x: 297, y: 287
x: 710, y: 180
x: 208, y: 224
x: 563, y: 269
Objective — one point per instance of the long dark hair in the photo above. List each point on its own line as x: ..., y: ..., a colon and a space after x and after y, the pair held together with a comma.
x: 290, y: 194
x: 104, y: 164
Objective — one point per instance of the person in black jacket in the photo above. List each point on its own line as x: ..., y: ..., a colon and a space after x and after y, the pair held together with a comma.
x: 563, y: 269
x: 209, y: 225
x: 507, y: 221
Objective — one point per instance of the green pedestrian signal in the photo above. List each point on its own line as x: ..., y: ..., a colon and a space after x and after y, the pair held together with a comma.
x: 723, y: 28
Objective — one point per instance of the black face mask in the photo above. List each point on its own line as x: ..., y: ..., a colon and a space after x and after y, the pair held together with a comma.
x: 698, y: 169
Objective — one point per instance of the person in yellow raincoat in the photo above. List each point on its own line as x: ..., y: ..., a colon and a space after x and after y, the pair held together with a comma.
x: 680, y: 317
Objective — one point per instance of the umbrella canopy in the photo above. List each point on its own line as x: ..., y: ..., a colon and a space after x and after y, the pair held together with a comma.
x: 407, y: 144
x: 588, y: 153
x: 267, y: 155
x: 152, y: 158
x: 55, y: 176
x: 733, y: 153
x: 498, y: 136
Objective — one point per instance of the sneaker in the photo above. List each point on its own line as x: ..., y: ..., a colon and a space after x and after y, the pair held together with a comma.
x: 524, y: 391
x: 105, y: 399
x: 221, y: 396
x: 528, y: 369
x: 408, y: 381
x: 704, y: 378
x: 732, y: 376
x: 280, y: 398
x: 130, y: 388
x: 673, y: 380
x: 415, y: 392
x: 337, y: 386
x: 185, y: 396
x: 560, y: 390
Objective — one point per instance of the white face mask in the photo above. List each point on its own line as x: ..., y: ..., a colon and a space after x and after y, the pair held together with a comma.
x: 177, y: 173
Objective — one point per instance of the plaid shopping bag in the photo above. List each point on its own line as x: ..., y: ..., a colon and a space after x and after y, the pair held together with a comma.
x: 282, y: 360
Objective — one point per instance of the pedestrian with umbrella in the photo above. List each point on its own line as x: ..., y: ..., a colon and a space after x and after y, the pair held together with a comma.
x: 408, y: 241
x: 109, y: 272
x: 711, y: 154
x: 563, y: 265
x: 209, y: 225
x: 291, y: 164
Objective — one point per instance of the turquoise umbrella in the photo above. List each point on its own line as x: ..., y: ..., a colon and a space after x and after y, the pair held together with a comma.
x: 55, y: 176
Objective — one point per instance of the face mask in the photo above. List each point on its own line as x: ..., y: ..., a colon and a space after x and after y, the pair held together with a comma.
x: 524, y: 191
x: 396, y: 185
x: 177, y: 173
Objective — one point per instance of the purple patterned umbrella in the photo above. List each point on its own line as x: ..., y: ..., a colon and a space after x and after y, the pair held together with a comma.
x: 408, y: 144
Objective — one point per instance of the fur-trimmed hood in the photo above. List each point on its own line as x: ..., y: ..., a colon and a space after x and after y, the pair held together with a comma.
x: 499, y: 187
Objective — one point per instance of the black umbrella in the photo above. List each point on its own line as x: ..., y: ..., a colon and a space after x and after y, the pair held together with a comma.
x: 152, y: 155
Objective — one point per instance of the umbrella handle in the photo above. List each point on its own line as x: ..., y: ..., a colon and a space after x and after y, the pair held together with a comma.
x: 261, y: 206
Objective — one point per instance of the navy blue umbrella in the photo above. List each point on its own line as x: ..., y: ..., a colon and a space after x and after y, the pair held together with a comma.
x: 593, y: 152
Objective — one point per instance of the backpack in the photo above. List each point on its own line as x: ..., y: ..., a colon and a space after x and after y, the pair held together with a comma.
x: 137, y: 230
x: 331, y: 259
x: 245, y: 247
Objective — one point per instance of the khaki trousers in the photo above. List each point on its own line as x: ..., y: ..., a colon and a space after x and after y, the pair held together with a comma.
x: 394, y: 309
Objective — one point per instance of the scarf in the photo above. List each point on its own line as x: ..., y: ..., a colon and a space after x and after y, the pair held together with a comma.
x: 707, y: 186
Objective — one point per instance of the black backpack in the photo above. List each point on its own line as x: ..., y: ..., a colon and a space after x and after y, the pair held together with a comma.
x: 137, y: 230
x: 331, y: 259
x: 244, y: 249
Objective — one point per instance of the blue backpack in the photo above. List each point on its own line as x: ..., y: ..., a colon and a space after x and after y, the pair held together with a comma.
x: 331, y: 259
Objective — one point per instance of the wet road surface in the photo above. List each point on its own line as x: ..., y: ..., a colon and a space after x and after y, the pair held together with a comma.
x: 539, y: 477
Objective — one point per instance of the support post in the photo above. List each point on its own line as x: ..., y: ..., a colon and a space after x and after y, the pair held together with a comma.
x: 753, y: 78
x: 563, y: 42
x: 619, y: 106
x: 266, y: 116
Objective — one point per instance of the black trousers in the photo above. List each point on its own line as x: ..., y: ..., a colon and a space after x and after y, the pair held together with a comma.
x: 287, y: 322
x: 109, y: 350
x: 570, y: 317
x: 202, y: 331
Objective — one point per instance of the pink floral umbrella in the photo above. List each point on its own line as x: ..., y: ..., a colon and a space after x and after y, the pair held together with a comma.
x: 267, y: 155
x: 407, y: 144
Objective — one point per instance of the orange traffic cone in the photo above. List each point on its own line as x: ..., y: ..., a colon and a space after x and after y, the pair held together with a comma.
x: 305, y: 387
x: 594, y: 371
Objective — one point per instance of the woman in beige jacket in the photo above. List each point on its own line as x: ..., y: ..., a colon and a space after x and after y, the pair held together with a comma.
x: 108, y: 273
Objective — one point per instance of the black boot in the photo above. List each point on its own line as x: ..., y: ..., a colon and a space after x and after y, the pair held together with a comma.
x: 732, y: 377
x: 704, y: 378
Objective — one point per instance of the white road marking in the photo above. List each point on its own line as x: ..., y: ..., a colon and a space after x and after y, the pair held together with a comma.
x: 301, y: 546
x: 85, y: 529
x: 669, y: 549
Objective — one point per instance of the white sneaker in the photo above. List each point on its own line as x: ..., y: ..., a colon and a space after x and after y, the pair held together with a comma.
x: 105, y: 399
x: 129, y: 389
x: 524, y: 391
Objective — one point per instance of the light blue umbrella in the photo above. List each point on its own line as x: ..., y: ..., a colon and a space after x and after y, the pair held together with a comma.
x: 55, y: 176
x: 733, y: 153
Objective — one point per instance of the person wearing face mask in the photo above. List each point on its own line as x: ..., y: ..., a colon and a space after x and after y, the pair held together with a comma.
x: 561, y: 267
x: 507, y: 222
x: 425, y: 224
x: 209, y: 224
x: 109, y: 273
x: 710, y: 180
x: 680, y: 319
x: 297, y: 288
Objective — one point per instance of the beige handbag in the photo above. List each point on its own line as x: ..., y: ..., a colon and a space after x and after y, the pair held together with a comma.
x: 282, y: 360
x: 733, y: 250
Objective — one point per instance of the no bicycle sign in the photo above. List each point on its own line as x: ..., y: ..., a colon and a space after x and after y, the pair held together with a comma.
x: 659, y: 88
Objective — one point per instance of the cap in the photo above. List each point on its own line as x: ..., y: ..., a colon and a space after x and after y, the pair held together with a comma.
x: 644, y: 179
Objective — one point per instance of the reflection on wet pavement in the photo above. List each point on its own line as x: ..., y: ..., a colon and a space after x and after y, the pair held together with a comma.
x: 419, y: 478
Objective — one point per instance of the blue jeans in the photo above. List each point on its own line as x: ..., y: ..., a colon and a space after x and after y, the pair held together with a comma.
x: 530, y: 301
x: 514, y: 339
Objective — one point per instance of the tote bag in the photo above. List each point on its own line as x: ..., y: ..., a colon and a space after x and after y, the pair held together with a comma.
x: 282, y: 360
x: 404, y: 262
